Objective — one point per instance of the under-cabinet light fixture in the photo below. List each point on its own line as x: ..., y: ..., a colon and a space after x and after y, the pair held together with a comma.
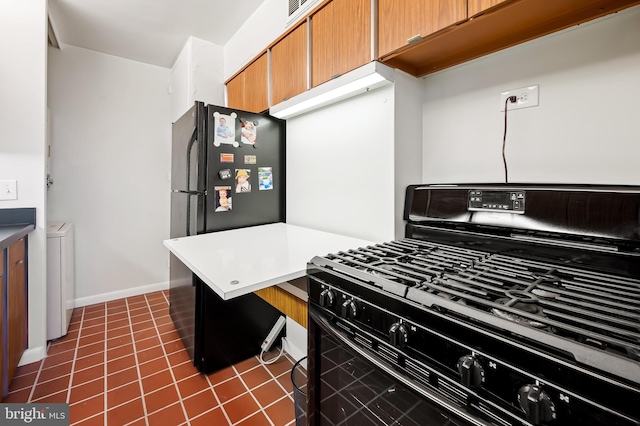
x: 361, y: 80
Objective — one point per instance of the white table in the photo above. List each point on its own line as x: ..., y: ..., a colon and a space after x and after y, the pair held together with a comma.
x: 240, y: 261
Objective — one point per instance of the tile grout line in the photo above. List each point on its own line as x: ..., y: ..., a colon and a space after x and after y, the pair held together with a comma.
x: 73, y: 368
x: 275, y: 378
x: 104, y: 368
x: 154, y: 307
x: 35, y: 381
x: 215, y: 394
x: 261, y: 408
x: 206, y: 376
x: 173, y: 377
x: 135, y: 355
x: 292, y: 393
x: 45, y: 357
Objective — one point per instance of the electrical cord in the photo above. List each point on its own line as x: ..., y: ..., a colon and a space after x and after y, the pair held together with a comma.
x: 513, y: 100
x: 272, y: 360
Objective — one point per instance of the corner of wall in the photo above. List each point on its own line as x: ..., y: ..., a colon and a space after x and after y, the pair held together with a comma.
x: 295, y: 344
x: 408, y: 102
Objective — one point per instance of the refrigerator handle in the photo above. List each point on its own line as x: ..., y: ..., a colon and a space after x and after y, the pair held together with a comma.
x: 180, y: 191
x: 188, y: 191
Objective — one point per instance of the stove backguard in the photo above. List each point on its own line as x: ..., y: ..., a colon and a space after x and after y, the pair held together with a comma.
x: 601, y: 216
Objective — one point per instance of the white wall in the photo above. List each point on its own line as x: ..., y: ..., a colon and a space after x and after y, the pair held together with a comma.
x: 23, y: 95
x: 340, y: 167
x: 111, y: 148
x: 584, y: 131
x: 348, y: 164
x: 265, y: 25
x: 197, y: 75
x: 181, y: 98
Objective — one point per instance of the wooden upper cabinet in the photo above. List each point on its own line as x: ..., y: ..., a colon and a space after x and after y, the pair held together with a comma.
x: 397, y: 22
x: 352, y: 19
x: 495, y: 25
x: 256, y: 85
x: 249, y: 89
x: 289, y: 65
x: 235, y: 92
x: 441, y: 13
x: 401, y: 22
x: 322, y: 42
x: 477, y: 6
x: 340, y: 39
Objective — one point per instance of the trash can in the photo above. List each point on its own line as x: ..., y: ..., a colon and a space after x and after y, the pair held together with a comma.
x: 299, y: 380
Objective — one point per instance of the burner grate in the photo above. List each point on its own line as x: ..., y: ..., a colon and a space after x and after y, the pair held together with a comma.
x: 591, y: 308
x: 587, y: 307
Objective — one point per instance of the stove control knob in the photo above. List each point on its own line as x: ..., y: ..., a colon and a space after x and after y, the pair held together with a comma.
x: 471, y: 371
x: 349, y: 309
x: 398, y: 335
x: 537, y: 405
x: 327, y: 298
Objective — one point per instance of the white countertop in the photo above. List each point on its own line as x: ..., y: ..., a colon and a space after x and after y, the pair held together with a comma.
x: 240, y: 261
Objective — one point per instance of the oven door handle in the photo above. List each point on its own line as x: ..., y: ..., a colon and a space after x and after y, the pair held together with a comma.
x: 453, y: 408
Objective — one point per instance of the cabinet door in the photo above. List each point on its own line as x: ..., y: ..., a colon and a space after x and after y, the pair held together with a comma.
x: 256, y: 92
x: 400, y: 21
x: 477, y: 6
x: 16, y: 306
x: 289, y: 65
x: 352, y: 19
x: 235, y: 92
x: 322, y: 41
x: 340, y: 39
x: 438, y: 14
x: 397, y: 23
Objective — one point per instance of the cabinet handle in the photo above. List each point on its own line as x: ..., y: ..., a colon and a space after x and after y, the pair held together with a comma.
x: 286, y: 98
x: 19, y: 262
x: 335, y: 76
x: 416, y: 38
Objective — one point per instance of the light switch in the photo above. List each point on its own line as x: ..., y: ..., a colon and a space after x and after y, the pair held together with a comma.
x: 8, y: 190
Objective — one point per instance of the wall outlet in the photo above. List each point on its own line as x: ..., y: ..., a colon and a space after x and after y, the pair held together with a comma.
x: 526, y: 97
x: 8, y: 190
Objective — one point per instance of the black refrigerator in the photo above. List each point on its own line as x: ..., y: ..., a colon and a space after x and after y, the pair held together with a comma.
x: 227, y: 172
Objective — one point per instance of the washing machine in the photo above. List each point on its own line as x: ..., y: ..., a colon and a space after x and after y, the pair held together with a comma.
x: 60, y: 279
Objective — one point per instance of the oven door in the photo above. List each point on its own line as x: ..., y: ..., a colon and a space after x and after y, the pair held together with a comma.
x: 349, y: 385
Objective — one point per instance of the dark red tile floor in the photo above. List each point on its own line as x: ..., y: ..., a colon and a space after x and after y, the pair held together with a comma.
x: 123, y: 363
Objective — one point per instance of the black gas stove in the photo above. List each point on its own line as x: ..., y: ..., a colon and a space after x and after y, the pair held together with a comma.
x: 507, y: 305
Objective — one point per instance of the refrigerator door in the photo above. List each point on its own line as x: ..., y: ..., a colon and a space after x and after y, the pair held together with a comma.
x: 245, y: 169
x: 187, y: 198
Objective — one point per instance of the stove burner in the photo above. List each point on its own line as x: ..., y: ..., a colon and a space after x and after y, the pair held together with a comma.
x: 547, y: 278
x: 517, y: 296
x: 523, y: 304
x: 382, y: 274
x: 544, y: 294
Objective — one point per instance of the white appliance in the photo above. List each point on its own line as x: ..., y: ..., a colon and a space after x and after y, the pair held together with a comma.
x: 60, y: 279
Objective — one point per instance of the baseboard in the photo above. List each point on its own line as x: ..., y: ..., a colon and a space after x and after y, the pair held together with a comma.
x: 33, y: 355
x: 120, y: 294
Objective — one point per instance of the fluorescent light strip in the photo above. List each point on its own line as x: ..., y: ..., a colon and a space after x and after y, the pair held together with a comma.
x: 325, y: 95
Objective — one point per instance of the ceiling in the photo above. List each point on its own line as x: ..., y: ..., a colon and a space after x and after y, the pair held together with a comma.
x: 149, y: 31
